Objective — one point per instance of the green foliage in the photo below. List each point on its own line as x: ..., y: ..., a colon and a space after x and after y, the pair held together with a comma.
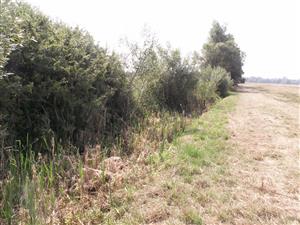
x: 213, y: 82
x: 10, y: 31
x: 225, y: 83
x: 160, y: 78
x: 32, y: 184
x: 59, y: 83
x: 62, y: 84
x: 222, y: 50
x: 58, y: 86
x: 18, y: 188
x: 10, y: 39
x: 192, y: 217
x: 177, y: 84
x: 144, y: 69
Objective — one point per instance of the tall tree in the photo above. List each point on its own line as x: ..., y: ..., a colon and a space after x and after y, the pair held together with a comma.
x: 221, y: 50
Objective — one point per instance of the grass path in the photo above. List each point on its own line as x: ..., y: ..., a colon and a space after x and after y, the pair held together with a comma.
x: 236, y: 164
x: 265, y: 164
x: 180, y: 186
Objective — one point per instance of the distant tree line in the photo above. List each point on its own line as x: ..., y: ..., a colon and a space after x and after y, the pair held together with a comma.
x: 56, y: 82
x: 282, y: 80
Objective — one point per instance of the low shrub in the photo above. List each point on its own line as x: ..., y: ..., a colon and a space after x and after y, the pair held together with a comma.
x: 213, y: 82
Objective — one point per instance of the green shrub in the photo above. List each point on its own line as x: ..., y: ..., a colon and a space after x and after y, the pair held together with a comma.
x: 177, y: 83
x: 62, y: 84
x: 10, y: 31
x: 212, y: 82
x: 56, y: 82
x: 224, y: 84
x: 160, y: 78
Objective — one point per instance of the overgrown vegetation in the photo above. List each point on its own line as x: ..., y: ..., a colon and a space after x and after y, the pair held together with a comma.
x: 65, y: 101
x: 182, y: 184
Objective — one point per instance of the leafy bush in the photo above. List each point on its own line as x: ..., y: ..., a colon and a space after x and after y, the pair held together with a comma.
x: 61, y: 83
x: 213, y: 82
x: 58, y: 89
x: 177, y: 83
x: 144, y: 69
x: 224, y: 84
x: 160, y: 78
x: 10, y: 32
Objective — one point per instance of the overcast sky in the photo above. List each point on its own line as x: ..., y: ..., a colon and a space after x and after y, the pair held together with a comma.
x: 268, y: 31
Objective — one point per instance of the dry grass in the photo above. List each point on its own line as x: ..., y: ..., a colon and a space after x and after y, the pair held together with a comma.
x: 282, y: 92
x: 266, y: 165
x: 242, y: 172
x: 180, y: 186
x: 249, y: 176
x: 91, y: 189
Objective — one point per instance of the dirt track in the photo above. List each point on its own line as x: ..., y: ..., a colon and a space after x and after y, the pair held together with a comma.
x: 265, y: 132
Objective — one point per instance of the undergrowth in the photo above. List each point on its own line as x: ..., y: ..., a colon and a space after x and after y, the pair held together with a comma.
x: 73, y: 188
x: 54, y: 188
x: 176, y: 172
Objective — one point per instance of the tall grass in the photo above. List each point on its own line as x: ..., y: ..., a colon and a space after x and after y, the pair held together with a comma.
x: 29, y: 187
x: 36, y: 185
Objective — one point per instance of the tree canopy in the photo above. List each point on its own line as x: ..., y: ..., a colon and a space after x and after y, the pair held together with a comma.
x: 221, y: 50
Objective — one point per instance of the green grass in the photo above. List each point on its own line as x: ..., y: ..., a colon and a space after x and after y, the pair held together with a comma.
x: 203, y: 144
x: 192, y: 217
x: 203, y: 140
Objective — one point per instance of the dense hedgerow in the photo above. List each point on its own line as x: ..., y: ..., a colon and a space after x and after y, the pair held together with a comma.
x: 213, y: 82
x: 61, y: 84
x: 57, y: 83
x: 177, y: 84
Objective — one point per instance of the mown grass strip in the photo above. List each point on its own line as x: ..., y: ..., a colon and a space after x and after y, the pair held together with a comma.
x: 204, y: 138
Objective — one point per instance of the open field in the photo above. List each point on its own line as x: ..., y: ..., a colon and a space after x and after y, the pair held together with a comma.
x: 289, y: 93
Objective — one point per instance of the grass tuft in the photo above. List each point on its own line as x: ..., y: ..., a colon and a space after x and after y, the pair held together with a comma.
x: 192, y: 217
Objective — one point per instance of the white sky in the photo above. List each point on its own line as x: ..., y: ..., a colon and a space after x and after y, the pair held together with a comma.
x: 268, y: 31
